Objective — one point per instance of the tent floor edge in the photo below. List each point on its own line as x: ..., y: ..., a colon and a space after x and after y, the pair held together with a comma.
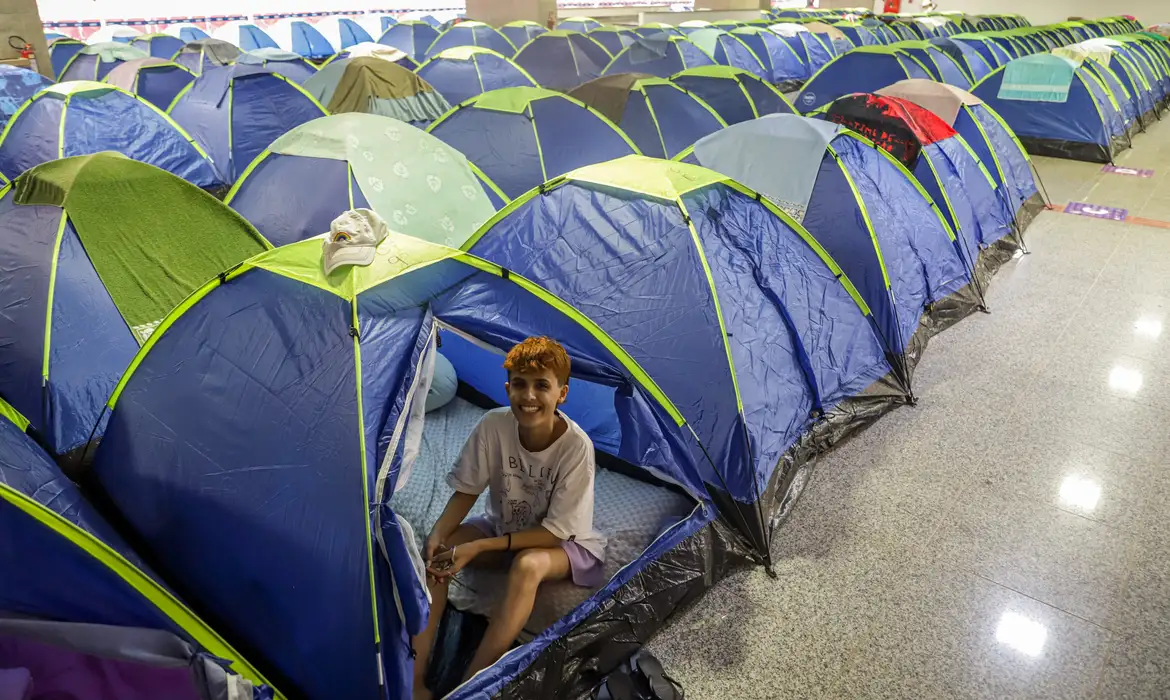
x: 1069, y: 150
x: 1029, y: 210
x: 664, y: 589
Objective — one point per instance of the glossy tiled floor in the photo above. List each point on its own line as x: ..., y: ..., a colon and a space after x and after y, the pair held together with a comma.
x: 1009, y: 537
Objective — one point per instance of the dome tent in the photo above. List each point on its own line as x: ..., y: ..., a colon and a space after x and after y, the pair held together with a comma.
x: 729, y: 50
x: 301, y: 38
x: 652, y: 29
x: 614, y: 39
x: 153, y: 79
x: 783, y: 67
x: 91, y: 288
x: 411, y: 37
x: 812, y: 52
x: 522, y: 31
x: 861, y: 70
x: 374, y: 50
x: 117, y: 33
x: 374, y: 333
x: 969, y: 59
x: 201, y: 54
x: 472, y: 33
x: 17, y: 85
x: 245, y: 36
x: 562, y: 60
x: 520, y: 137
x: 309, y: 176
x: 83, y: 117
x: 867, y: 211
x: 736, y: 95
x: 291, y: 65
x: 1075, y: 119
x: 579, y: 24
x: 186, y: 32
x: 158, y: 45
x: 942, y: 162
x: 376, y: 86
x: 941, y: 65
x: 990, y: 139
x: 235, y: 131
x: 660, y: 117
x: 127, y: 636
x: 96, y: 60
x: 61, y: 51
x: 343, y: 32
x: 671, y: 286
x: 658, y: 56
x: 464, y: 72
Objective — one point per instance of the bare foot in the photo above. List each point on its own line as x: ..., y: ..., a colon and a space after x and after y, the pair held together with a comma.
x: 421, y: 692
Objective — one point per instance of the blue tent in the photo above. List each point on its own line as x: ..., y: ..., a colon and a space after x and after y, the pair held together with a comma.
x: 783, y: 66
x: 992, y: 53
x: 312, y: 174
x: 291, y: 65
x: 941, y: 65
x: 968, y: 57
x: 520, y: 137
x: 861, y: 70
x: 158, y: 45
x: 614, y: 39
x: 660, y: 56
x: 79, y: 609
x: 153, y: 79
x: 654, y: 29
x: 992, y: 142
x: 343, y: 32
x: 862, y: 205
x: 202, y: 54
x: 660, y: 117
x: 1084, y: 126
x: 562, y: 60
x: 858, y: 34
x: 943, y: 163
x: 579, y: 24
x: 235, y: 131
x: 1134, y: 101
x: 522, y: 31
x: 96, y: 60
x: 16, y: 86
x: 186, y: 32
x: 729, y: 50
x: 412, y: 37
x: 813, y: 52
x: 87, y: 287
x: 375, y: 50
x: 82, y: 117
x: 736, y: 95
x: 472, y: 33
x: 463, y: 72
x: 659, y: 254
x: 245, y: 36
x: 61, y: 51
x: 300, y: 38
x: 284, y: 486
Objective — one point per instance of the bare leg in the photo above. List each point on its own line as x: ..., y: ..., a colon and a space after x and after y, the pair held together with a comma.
x: 424, y: 642
x: 529, y: 569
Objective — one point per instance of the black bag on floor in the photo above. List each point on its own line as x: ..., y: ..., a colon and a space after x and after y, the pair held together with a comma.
x: 639, y: 678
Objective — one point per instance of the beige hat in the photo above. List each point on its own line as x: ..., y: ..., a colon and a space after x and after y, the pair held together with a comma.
x: 353, y: 239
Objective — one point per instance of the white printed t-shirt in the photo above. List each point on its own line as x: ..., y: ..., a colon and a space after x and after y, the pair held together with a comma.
x: 552, y: 488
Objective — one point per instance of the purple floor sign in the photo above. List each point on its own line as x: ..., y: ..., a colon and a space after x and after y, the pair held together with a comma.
x: 1132, y: 172
x: 1097, y: 212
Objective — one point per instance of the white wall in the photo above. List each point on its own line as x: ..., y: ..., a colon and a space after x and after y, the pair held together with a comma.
x: 1048, y: 11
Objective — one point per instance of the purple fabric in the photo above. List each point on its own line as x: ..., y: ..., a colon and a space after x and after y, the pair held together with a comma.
x: 15, y: 684
x: 588, y: 571
x: 63, y: 674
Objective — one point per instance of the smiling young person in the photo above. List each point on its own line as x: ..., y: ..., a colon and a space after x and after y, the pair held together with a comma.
x: 537, y: 466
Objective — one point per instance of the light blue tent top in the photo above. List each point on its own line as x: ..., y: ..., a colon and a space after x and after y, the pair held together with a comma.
x: 16, y: 86
x: 83, y: 117
x: 464, y: 72
x: 291, y: 65
x: 522, y: 136
x: 863, y: 69
x: 471, y: 33
x: 301, y: 38
x: 661, y: 56
x: 234, y: 131
x: 562, y: 60
x: 859, y: 203
x: 245, y: 36
x: 58, y: 544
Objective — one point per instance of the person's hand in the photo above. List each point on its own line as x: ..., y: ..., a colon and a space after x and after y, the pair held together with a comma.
x: 448, y: 562
x: 433, y: 545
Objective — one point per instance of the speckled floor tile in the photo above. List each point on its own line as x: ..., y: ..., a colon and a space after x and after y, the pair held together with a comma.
x: 950, y: 634
x: 1064, y: 560
x: 1135, y: 669
x: 1111, y: 321
x: 1090, y: 366
x: 1143, y: 608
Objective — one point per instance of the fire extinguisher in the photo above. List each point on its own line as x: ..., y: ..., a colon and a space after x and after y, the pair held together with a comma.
x: 26, y: 51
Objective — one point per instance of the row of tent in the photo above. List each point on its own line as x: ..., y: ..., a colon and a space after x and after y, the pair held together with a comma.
x: 239, y: 430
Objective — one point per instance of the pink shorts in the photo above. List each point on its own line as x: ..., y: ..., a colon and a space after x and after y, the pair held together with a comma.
x: 587, y: 570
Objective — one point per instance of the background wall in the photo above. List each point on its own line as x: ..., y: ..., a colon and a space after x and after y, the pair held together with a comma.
x: 1048, y: 11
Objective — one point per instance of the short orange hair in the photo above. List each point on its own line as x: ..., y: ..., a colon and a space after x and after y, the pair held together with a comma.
x: 537, y: 355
